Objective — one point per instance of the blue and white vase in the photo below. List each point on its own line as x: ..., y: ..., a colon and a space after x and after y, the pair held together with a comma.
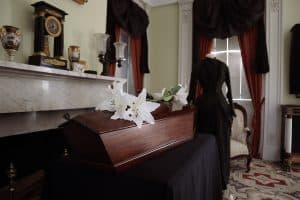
x: 10, y: 37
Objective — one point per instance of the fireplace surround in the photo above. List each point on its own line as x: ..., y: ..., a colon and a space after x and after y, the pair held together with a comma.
x: 34, y: 101
x: 35, y: 98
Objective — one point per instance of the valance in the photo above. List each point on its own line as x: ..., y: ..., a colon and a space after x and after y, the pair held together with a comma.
x: 129, y: 16
x: 226, y: 18
x: 132, y: 19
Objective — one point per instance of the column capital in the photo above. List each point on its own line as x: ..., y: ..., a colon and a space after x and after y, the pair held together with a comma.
x: 275, y: 5
x: 180, y: 2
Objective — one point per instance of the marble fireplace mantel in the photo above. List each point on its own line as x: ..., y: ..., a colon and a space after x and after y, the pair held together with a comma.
x: 33, y: 97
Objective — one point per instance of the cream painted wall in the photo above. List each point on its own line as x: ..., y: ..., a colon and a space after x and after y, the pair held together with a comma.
x: 81, y: 23
x: 291, y: 16
x: 163, y: 47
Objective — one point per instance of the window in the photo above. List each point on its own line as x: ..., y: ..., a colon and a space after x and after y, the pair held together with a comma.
x: 229, y: 52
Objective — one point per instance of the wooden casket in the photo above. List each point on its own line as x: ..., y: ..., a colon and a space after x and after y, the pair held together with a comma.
x: 118, y: 144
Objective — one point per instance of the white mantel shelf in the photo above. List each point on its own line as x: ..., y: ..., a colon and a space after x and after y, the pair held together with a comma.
x: 28, y: 88
x: 20, y: 68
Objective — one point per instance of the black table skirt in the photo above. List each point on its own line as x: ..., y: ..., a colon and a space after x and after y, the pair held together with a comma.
x: 188, y: 172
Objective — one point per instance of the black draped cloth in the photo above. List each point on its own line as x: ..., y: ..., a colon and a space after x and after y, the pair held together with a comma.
x: 214, y: 110
x: 187, y: 172
x: 131, y: 18
x: 226, y: 18
x: 295, y: 60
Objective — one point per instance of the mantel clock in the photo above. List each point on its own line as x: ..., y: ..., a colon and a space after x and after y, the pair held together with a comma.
x: 48, y: 23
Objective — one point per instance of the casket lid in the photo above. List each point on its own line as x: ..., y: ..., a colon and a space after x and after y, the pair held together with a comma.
x: 101, y: 122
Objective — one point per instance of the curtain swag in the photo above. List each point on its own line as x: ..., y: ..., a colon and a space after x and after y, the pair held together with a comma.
x: 226, y: 18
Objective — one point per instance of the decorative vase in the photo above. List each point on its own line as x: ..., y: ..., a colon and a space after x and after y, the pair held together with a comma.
x: 10, y: 38
x: 74, y: 55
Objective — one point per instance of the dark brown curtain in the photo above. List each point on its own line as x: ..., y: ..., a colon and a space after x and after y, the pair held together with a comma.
x: 204, y: 46
x: 112, y: 67
x: 248, y: 44
x: 138, y: 76
x: 132, y: 19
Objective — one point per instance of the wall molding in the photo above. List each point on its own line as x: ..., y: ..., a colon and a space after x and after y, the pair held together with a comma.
x: 275, y: 5
x: 271, y: 137
x: 185, y: 41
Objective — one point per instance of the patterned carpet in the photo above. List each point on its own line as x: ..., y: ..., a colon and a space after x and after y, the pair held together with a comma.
x: 265, y: 181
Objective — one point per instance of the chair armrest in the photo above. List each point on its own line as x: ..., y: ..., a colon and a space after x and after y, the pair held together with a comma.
x: 243, y: 136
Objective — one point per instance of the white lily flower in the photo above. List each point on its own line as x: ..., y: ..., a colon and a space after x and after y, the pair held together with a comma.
x: 181, y: 96
x: 117, y: 87
x: 127, y: 106
x: 141, y: 110
x: 113, y: 98
x: 121, y: 104
x: 108, y: 103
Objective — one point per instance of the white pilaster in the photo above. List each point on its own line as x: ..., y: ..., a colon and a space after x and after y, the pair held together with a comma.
x: 185, y: 41
x: 272, y: 121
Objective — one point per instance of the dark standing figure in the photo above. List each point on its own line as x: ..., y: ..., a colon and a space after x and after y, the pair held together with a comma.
x: 214, y: 110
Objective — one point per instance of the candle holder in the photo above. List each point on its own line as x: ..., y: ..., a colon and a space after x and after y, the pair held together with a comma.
x: 101, y: 45
x: 74, y: 55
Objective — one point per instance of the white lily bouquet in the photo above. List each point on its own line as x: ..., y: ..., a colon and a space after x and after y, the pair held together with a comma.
x: 176, y: 95
x: 128, y: 107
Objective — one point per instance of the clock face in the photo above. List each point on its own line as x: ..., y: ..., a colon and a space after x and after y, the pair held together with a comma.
x: 53, y: 26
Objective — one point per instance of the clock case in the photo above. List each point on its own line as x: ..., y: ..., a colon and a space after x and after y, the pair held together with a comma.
x: 41, y: 55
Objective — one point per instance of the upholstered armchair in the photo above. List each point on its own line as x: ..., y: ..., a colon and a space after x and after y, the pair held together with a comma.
x: 240, y: 136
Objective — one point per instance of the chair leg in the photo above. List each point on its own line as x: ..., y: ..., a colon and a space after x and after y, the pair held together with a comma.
x: 248, y: 163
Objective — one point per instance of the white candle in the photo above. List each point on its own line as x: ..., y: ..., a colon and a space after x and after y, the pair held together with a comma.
x: 288, y: 134
x: 75, y: 54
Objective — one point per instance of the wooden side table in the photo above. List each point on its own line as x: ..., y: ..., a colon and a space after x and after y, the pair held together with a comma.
x: 290, y: 135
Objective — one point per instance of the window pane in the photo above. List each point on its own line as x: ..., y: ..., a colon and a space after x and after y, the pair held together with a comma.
x: 235, y: 87
x: 245, y: 89
x: 222, y: 57
x: 233, y: 43
x: 221, y: 45
x: 238, y: 81
x: 234, y: 63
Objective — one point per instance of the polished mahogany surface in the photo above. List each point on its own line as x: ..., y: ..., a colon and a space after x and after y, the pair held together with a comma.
x: 119, y: 144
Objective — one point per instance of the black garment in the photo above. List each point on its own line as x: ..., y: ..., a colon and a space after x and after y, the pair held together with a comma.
x: 214, y: 111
